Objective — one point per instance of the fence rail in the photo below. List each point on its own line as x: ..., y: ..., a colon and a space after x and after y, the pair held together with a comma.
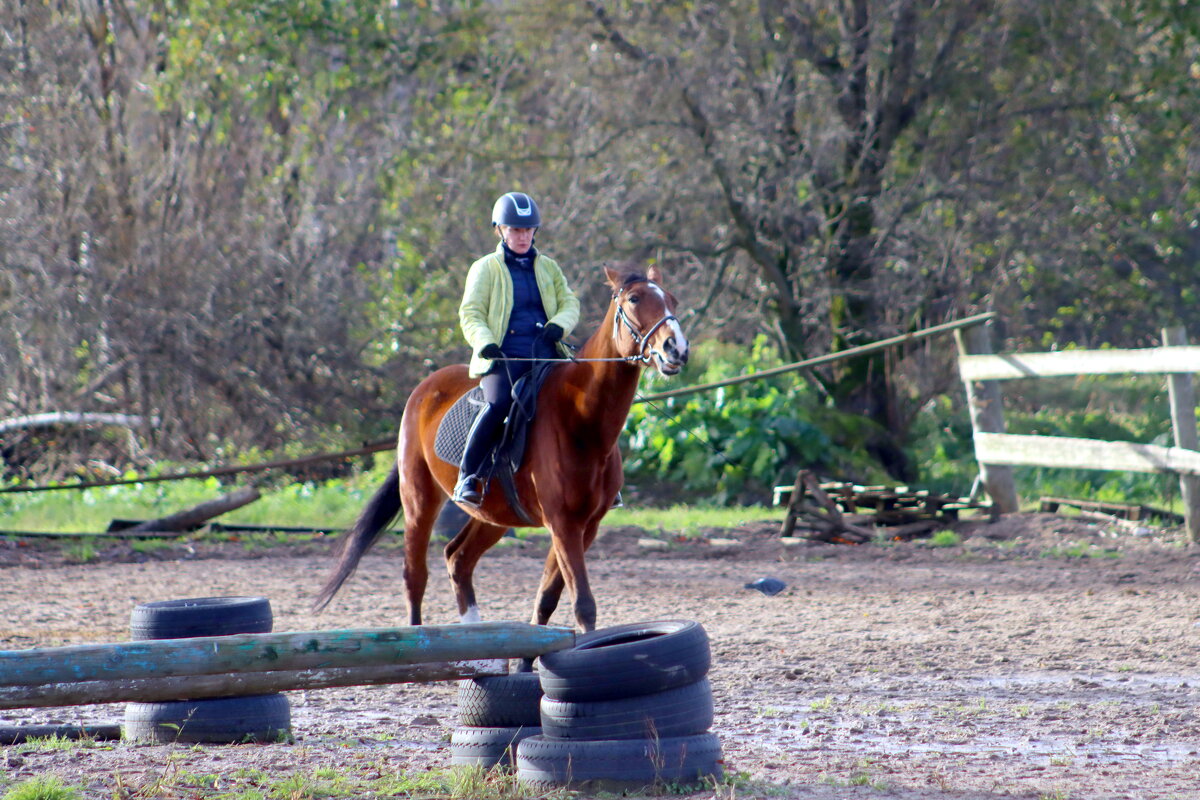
x: 997, y: 451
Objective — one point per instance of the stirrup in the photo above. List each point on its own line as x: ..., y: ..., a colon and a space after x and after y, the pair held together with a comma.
x: 617, y: 501
x: 467, y: 492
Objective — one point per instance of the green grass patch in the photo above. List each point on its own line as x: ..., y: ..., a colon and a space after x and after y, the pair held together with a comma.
x: 43, y: 787
x: 691, y: 520
x: 1081, y: 550
x: 332, y: 504
x: 945, y: 539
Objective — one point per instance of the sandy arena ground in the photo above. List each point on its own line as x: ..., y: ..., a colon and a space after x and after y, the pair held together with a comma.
x: 1042, y: 658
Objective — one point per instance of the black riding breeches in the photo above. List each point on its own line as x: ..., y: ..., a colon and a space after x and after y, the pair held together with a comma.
x: 497, y: 391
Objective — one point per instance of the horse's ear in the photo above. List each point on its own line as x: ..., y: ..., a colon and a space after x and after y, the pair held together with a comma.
x: 614, y: 278
x: 654, y: 274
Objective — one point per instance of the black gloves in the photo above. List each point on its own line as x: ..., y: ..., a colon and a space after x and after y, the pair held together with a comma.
x: 491, y: 351
x: 551, y: 333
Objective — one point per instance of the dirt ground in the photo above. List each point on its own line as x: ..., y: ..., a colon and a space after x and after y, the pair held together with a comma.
x: 1043, y: 657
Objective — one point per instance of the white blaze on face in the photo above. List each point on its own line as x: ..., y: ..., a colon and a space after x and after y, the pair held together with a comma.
x: 681, y: 342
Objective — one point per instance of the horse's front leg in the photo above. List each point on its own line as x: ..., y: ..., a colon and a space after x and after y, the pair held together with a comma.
x: 569, y: 544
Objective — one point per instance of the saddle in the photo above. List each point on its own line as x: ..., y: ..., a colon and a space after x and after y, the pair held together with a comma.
x: 505, y: 457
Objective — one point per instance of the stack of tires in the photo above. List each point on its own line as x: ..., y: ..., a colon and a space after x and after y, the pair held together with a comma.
x: 494, y: 715
x: 222, y: 720
x: 627, y: 707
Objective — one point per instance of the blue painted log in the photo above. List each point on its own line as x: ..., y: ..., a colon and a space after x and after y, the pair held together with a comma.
x: 237, y: 684
x: 265, y: 652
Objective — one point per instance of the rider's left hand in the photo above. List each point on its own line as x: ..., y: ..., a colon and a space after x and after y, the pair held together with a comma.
x: 551, y: 333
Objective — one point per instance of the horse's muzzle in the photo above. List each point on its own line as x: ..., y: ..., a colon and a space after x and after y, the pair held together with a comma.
x: 673, y: 357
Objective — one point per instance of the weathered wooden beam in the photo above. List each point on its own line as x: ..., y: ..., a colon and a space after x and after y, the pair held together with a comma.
x: 195, y: 687
x: 986, y: 405
x: 194, y: 517
x: 1064, y: 451
x: 77, y: 418
x: 793, y: 506
x: 1182, y: 395
x: 1011, y: 366
x: 266, y: 652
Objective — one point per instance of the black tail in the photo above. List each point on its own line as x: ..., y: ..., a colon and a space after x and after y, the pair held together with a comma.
x: 376, y: 517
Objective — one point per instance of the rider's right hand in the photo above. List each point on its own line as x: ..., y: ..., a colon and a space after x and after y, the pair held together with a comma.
x: 492, y: 351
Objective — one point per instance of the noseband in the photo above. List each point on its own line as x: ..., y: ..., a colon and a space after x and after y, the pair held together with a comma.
x: 640, y: 340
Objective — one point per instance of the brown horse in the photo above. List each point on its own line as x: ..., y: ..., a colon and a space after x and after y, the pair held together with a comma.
x: 570, y: 475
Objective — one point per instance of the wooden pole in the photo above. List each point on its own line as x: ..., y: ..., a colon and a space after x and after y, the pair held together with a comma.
x: 195, y: 687
x: 194, y: 517
x: 793, y: 506
x: 987, y: 416
x: 828, y: 358
x: 1182, y: 395
x: 266, y: 652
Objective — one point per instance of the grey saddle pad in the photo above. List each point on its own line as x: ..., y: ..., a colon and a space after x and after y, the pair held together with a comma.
x: 456, y: 424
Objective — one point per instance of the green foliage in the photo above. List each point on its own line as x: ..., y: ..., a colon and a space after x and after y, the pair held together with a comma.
x: 733, y: 444
x: 43, y: 787
x: 945, y: 539
x: 328, y: 504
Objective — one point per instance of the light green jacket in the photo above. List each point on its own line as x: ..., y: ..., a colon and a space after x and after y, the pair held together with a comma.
x: 487, y: 303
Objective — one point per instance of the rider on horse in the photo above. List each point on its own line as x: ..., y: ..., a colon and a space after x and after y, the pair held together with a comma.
x: 516, y: 305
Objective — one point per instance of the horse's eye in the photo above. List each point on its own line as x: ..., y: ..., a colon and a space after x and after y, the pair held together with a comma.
x: 633, y: 298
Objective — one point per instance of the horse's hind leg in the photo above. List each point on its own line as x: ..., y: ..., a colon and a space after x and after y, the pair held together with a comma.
x: 422, y: 498
x: 549, y: 591
x: 462, y: 554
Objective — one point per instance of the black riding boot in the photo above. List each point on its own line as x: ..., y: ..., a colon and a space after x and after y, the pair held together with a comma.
x: 469, y: 489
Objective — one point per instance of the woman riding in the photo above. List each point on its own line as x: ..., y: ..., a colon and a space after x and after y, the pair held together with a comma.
x: 516, y: 305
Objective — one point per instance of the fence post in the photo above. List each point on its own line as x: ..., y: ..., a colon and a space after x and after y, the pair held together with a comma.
x: 1182, y: 395
x: 987, y: 416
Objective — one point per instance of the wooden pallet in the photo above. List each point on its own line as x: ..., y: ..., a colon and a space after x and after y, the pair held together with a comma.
x: 840, y: 511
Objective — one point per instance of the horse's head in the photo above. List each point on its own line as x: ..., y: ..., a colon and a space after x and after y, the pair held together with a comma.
x: 644, y: 323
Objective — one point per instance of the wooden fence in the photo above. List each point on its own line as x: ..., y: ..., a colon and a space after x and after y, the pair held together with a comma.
x: 996, y: 451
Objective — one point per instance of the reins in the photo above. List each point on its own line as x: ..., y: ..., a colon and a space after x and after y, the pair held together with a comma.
x: 640, y: 340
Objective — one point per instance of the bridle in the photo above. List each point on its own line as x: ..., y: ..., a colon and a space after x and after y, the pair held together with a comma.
x: 640, y: 340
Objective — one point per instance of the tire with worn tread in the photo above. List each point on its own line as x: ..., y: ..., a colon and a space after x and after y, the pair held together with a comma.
x: 225, y: 720
x: 617, y: 765
x: 627, y: 661
x: 685, y: 711
x: 487, y: 747
x: 200, y: 616
x: 500, y: 701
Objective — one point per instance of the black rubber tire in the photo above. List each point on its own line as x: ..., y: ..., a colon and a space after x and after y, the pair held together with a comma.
x: 685, y: 711
x: 500, y: 701
x: 627, y: 661
x: 200, y: 616
x: 225, y: 720
x: 488, y: 747
x: 612, y: 766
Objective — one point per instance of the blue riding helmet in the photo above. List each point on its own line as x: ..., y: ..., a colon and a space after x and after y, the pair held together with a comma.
x: 516, y: 210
